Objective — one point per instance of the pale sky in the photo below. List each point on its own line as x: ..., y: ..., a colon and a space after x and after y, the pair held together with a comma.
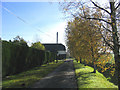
x: 34, y: 21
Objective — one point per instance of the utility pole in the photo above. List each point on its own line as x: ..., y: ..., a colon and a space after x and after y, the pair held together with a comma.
x: 57, y: 38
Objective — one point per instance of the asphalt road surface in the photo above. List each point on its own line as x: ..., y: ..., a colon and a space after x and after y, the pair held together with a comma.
x: 61, y: 77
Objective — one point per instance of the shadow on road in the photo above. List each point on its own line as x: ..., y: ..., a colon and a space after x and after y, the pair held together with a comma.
x: 61, y: 77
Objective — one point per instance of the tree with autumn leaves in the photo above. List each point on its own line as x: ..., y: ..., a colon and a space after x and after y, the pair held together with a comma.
x: 108, y: 18
x: 85, y: 41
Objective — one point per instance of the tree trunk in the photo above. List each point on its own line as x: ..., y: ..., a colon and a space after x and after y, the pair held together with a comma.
x: 94, y: 68
x: 94, y: 65
x: 115, y: 42
x: 117, y: 68
x: 80, y: 60
x: 118, y: 64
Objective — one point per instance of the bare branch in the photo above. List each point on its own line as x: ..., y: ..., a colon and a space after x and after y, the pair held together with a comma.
x: 100, y: 7
x: 117, y: 6
x: 107, y: 43
x: 118, y: 14
x: 98, y: 19
x: 107, y: 29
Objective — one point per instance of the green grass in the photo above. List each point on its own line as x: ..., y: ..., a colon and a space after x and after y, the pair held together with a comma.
x: 87, y: 79
x: 29, y: 77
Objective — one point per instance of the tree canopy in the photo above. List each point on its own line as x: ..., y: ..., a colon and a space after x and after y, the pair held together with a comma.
x: 108, y: 18
x: 19, y: 40
x: 84, y: 40
x: 38, y: 46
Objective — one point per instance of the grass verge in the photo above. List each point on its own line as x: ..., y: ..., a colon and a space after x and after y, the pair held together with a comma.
x: 27, y: 78
x: 87, y: 79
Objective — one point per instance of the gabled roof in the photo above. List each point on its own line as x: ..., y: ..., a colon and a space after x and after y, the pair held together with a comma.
x: 53, y: 47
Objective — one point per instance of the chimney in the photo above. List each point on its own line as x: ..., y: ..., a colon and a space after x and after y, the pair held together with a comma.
x: 57, y: 38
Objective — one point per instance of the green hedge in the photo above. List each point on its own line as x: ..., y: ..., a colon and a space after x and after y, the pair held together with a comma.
x: 16, y: 58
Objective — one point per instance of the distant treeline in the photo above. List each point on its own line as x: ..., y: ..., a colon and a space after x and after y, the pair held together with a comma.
x: 18, y: 58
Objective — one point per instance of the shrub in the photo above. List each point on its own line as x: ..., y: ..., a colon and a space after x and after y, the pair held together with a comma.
x: 17, y: 58
x: 38, y: 45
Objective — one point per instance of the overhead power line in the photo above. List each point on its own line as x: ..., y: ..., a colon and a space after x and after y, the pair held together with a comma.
x: 14, y: 14
x: 24, y: 21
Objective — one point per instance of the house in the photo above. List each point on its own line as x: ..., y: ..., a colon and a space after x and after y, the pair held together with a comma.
x: 56, y: 48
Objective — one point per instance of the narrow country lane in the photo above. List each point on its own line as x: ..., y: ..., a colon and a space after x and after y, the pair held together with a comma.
x: 62, y: 77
